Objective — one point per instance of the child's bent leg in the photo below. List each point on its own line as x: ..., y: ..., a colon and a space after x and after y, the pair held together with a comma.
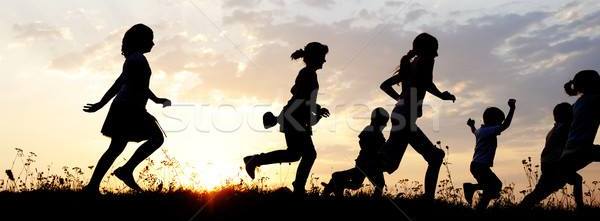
x: 356, y: 177
x: 488, y: 182
x: 340, y: 181
x: 545, y: 187
x: 393, y: 150
x: 491, y: 190
x: 434, y: 157
x: 125, y: 173
x: 277, y: 156
x: 108, y: 158
x: 144, y: 151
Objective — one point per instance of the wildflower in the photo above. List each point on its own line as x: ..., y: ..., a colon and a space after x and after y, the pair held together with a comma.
x: 10, y: 175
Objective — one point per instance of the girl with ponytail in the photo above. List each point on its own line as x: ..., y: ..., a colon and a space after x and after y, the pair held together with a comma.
x: 415, y: 73
x: 580, y: 150
x: 297, y: 118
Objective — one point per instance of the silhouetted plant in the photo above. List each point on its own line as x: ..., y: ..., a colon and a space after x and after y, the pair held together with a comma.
x: 446, y: 190
x: 166, y: 178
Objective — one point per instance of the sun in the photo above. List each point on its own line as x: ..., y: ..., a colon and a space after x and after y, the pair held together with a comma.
x: 209, y: 176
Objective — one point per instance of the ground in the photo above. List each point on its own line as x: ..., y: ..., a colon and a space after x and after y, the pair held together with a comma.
x: 252, y: 205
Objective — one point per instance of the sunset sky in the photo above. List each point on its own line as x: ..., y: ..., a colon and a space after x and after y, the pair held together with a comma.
x: 224, y: 63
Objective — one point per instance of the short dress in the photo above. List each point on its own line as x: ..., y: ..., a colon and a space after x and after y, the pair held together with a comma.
x: 127, y: 117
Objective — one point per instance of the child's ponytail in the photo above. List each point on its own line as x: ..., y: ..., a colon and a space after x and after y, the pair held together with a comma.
x: 586, y: 81
x: 570, y: 88
x: 298, y: 54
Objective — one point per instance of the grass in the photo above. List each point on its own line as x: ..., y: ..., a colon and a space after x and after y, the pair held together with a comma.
x: 29, y: 193
x: 252, y: 204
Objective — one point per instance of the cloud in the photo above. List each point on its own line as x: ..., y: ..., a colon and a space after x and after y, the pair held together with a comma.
x: 103, y: 56
x: 37, y: 31
x: 394, y: 3
x: 415, y: 14
x: 240, y: 3
x: 248, y: 18
x: 324, y: 4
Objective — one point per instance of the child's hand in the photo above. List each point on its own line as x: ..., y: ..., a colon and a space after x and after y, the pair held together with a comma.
x: 448, y: 96
x: 511, y: 103
x: 165, y: 102
x: 91, y: 108
x: 471, y: 122
x: 323, y: 112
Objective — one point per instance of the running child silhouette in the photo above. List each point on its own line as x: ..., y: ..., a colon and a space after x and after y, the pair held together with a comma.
x: 494, y: 123
x: 296, y: 119
x: 415, y: 73
x: 580, y: 149
x: 127, y: 119
x: 371, y: 140
x: 556, y: 141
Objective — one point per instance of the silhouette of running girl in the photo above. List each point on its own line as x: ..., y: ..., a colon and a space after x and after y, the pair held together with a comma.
x: 297, y: 118
x: 580, y: 149
x: 415, y: 73
x: 127, y: 119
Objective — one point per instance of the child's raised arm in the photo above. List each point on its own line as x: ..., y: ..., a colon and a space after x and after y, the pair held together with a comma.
x: 511, y: 112
x: 471, y: 124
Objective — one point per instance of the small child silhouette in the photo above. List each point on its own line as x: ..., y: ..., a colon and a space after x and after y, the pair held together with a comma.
x: 127, y: 119
x: 371, y: 140
x: 551, y: 154
x: 494, y: 123
x: 579, y: 150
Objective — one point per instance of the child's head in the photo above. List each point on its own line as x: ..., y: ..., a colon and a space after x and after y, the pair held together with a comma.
x: 493, y: 116
x: 313, y: 54
x: 137, y: 39
x: 379, y: 117
x: 425, y: 45
x: 586, y: 81
x: 563, y: 113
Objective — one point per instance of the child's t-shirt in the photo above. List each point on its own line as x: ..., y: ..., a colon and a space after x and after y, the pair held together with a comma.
x: 486, y: 143
x: 555, y: 143
x: 371, y: 140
